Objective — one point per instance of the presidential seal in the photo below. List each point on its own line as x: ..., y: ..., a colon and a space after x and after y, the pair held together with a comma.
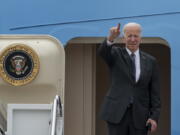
x: 19, y: 64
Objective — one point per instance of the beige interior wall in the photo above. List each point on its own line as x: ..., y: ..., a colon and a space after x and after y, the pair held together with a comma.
x: 79, y: 111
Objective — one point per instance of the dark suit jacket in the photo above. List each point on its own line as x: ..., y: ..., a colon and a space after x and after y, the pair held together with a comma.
x: 145, y: 92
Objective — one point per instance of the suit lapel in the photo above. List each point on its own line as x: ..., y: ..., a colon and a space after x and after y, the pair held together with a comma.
x: 143, y: 64
x: 126, y: 57
x: 128, y: 61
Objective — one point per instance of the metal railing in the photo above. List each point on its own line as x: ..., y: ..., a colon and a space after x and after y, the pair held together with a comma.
x: 2, y: 132
x: 56, y: 113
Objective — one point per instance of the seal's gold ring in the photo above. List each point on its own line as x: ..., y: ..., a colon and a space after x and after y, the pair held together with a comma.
x: 19, y: 64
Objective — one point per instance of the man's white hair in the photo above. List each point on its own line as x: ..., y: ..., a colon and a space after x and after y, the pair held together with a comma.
x: 130, y: 25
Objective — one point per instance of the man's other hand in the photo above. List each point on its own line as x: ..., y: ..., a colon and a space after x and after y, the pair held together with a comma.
x: 153, y: 124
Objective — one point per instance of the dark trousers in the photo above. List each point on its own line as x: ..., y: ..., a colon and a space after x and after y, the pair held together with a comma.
x: 126, y: 126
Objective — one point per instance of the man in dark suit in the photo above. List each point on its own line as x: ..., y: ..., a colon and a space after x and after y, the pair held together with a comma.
x: 133, y: 100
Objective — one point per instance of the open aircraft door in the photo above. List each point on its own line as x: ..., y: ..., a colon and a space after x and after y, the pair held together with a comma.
x: 32, y: 71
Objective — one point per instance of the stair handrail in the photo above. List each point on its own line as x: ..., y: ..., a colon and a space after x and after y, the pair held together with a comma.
x: 56, y: 112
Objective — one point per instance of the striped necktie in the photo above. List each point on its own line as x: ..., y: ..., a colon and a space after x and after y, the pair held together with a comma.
x: 133, y: 66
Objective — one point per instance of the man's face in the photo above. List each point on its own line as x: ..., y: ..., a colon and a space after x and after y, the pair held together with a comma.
x: 132, y: 38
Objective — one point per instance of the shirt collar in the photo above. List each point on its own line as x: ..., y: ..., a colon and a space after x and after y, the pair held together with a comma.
x: 129, y: 52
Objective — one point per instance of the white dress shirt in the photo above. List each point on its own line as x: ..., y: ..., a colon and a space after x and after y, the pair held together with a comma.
x: 137, y: 62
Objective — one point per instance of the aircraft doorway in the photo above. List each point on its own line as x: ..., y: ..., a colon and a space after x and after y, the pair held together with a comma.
x: 87, y: 81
